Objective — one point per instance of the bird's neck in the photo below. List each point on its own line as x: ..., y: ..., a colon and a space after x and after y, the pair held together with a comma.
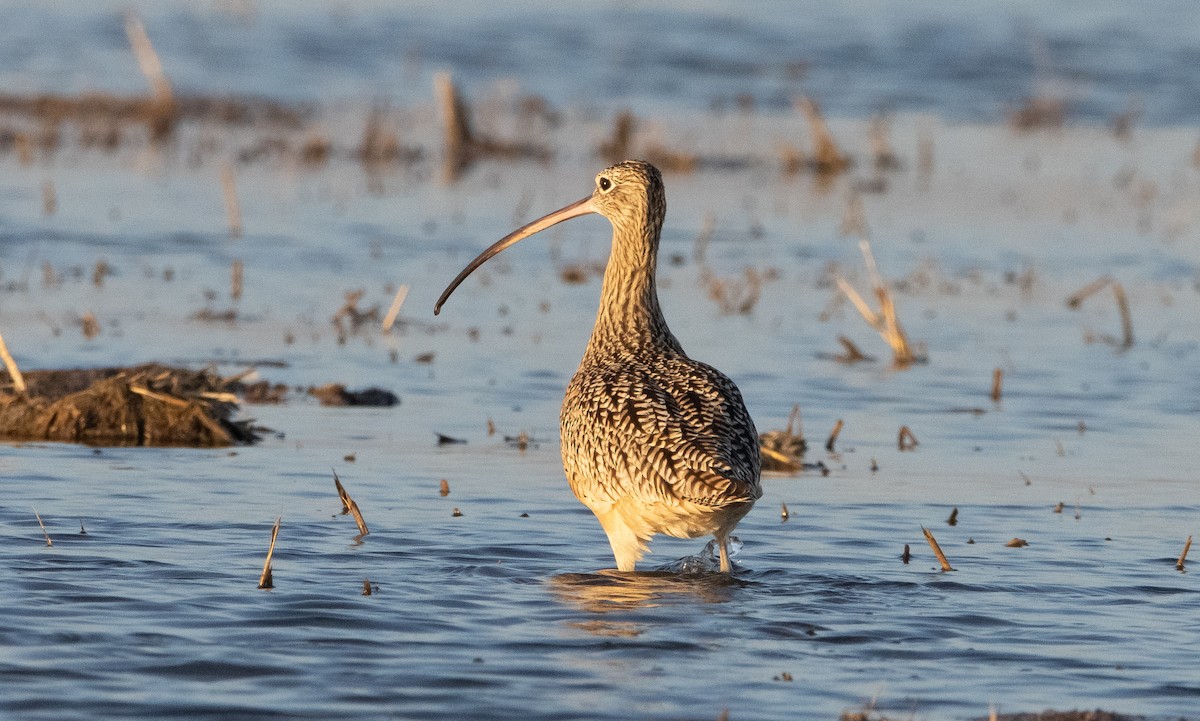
x: 630, y: 318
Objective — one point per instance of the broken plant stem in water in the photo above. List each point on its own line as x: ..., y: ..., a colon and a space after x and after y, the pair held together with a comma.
x: 937, y: 550
x: 266, y: 580
x: 884, y: 321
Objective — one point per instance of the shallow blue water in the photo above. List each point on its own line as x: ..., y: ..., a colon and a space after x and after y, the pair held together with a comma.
x: 506, y: 611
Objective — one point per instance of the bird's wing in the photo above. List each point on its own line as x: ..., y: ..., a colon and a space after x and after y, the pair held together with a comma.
x: 678, y: 430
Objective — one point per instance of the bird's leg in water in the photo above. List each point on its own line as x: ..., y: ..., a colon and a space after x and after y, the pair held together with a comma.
x: 723, y: 542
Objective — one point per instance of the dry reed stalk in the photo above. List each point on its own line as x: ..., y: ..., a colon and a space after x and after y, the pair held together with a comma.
x: 884, y: 321
x: 1183, y: 556
x: 795, y: 424
x: 169, y: 400
x: 266, y: 580
x: 17, y: 379
x: 233, y: 209
x: 237, y: 279
x: 881, y: 147
x: 854, y: 217
x: 89, y: 325
x: 456, y: 130
x: 49, y: 198
x: 827, y: 158
x: 43, y: 525
x: 937, y: 550
x: 1126, y: 318
x: 905, y: 440
x: 147, y: 58
x: 837, y: 428
x: 997, y: 383
x: 852, y: 354
x: 706, y: 233
x: 618, y: 146
x: 349, y: 506
x: 1076, y: 299
x: 397, y: 302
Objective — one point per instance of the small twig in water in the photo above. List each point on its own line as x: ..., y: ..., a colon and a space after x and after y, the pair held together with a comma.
x: 237, y: 279
x: 827, y: 158
x: 906, y: 441
x: 147, y: 58
x: 997, y: 384
x: 1126, y: 319
x: 49, y: 198
x: 1183, y: 556
x: 702, y: 238
x: 233, y: 209
x: 43, y: 525
x: 783, y: 514
x: 349, y: 506
x: 852, y: 354
x: 397, y: 302
x: 884, y: 321
x: 937, y: 550
x: 266, y: 580
x: 837, y: 428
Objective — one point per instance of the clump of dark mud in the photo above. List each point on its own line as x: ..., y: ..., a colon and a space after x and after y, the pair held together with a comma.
x: 149, y: 405
x: 336, y: 394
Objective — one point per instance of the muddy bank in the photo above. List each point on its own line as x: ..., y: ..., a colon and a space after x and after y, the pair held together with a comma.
x: 149, y: 405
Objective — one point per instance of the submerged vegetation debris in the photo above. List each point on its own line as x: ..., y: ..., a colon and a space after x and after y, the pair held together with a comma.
x: 784, y: 450
x: 884, y: 321
x: 1187, y: 545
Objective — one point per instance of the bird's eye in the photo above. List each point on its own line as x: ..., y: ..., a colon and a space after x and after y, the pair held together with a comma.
x: 605, y: 184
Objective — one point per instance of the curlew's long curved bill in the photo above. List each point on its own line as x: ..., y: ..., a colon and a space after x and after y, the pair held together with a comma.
x: 579, y: 207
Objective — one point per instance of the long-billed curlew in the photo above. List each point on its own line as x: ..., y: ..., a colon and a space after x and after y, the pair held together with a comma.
x: 652, y: 441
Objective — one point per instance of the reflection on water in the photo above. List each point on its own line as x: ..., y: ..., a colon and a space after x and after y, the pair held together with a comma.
x: 611, y: 590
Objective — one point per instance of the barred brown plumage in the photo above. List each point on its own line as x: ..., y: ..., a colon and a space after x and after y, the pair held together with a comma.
x: 652, y: 441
